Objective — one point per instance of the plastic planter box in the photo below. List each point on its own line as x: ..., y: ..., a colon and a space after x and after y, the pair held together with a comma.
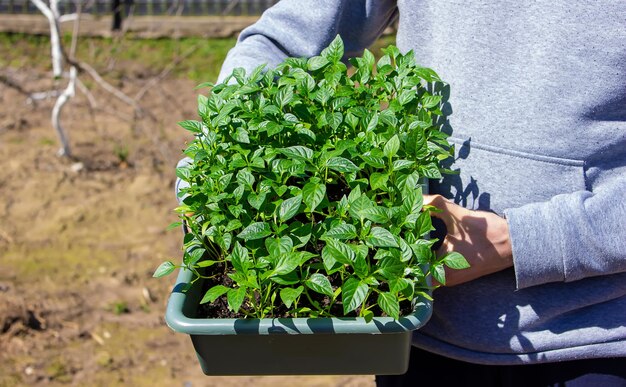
x: 294, y: 346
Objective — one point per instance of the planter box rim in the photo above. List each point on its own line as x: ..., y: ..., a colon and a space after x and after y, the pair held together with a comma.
x: 179, y: 321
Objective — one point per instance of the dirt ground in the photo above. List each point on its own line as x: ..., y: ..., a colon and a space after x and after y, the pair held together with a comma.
x: 80, y: 238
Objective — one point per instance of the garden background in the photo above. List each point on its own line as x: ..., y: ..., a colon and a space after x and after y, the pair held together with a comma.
x: 80, y: 237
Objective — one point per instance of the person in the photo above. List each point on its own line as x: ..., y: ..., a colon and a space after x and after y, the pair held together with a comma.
x: 538, y: 98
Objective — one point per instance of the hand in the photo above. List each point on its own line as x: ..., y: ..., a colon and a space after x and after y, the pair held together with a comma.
x: 482, y: 237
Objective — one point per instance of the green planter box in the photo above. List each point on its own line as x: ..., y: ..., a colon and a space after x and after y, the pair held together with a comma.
x: 294, y: 346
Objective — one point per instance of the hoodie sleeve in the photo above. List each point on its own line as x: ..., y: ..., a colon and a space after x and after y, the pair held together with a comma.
x: 572, y: 236
x: 302, y: 28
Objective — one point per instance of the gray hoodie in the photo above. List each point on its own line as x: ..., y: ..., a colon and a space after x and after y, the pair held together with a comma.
x: 538, y: 98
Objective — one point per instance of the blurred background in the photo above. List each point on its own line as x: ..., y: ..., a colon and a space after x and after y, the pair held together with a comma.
x: 88, y: 148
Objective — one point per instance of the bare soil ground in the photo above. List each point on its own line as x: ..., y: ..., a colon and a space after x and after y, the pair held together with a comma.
x: 80, y: 238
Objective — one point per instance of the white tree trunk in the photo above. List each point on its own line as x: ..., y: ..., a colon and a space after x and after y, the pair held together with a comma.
x: 52, y: 14
x: 56, y: 113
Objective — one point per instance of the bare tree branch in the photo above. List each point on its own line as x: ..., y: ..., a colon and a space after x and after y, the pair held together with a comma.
x: 83, y: 89
x: 105, y: 85
x: 13, y: 85
x: 42, y: 95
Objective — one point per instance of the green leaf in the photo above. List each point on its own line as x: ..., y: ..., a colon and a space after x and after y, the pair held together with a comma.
x: 424, y: 224
x: 402, y: 164
x: 238, y: 193
x: 367, y: 315
x: 184, y: 173
x: 422, y: 251
x: 388, y: 302
x: 241, y: 135
x: 342, y: 231
x: 334, y: 119
x: 359, y: 206
x: 305, y: 256
x: 439, y: 273
x: 192, y: 126
x: 256, y: 230
x: 399, y: 284
x: 279, y: 246
x: 341, y: 164
x: 239, y: 73
x: 214, y: 293
x: 245, y: 177
x: 300, y: 233
x: 317, y: 62
x: 392, y: 146
x: 341, y: 252
x: 289, y: 295
x: 225, y: 180
x: 288, y: 279
x: 368, y: 59
x: 390, y: 267
x: 240, y: 259
x: 236, y: 298
x: 286, y: 264
x: 174, y: 225
x: 360, y: 250
x: 406, y: 96
x: 289, y: 208
x: 322, y: 95
x: 430, y: 171
x: 379, y: 181
x: 233, y: 224
x: 206, y: 263
x: 361, y: 269
x: 330, y: 263
x: 410, y: 187
x: 273, y: 128
x: 284, y: 96
x: 381, y: 237
x: 384, y: 60
x: 224, y: 241
x: 407, y: 252
x: 376, y: 162
x: 416, y: 142
x: 353, y: 293
x: 334, y: 51
x: 373, y: 122
x: 351, y: 120
x: 204, y: 84
x: 193, y: 256
x: 257, y: 200
x: 376, y: 214
x: 164, y: 269
x: 320, y: 284
x: 431, y: 101
x: 235, y: 210
x: 455, y: 260
x: 297, y: 152
x: 313, y: 194
x: 356, y: 194
x: 388, y: 117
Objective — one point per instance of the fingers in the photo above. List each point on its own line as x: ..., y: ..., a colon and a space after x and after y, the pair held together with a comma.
x: 446, y: 206
x: 436, y: 200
